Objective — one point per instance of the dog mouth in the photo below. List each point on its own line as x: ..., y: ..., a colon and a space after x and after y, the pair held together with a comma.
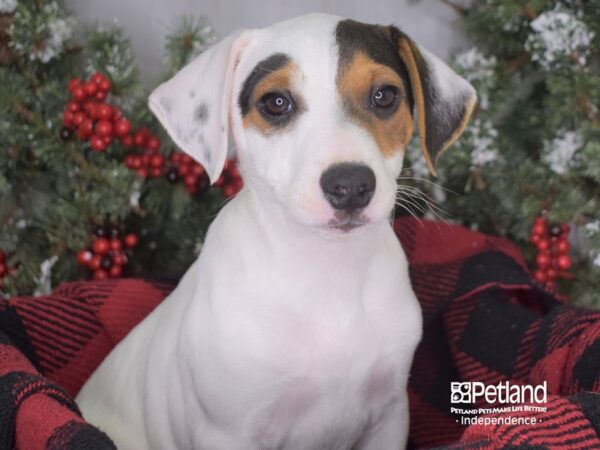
x: 346, y: 222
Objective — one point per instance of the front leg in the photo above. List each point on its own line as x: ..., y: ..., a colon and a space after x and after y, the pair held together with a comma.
x: 390, y: 432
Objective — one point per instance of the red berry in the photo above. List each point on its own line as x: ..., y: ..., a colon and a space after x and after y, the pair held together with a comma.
x: 104, y: 111
x: 115, y: 271
x: 101, y: 95
x: 90, y: 88
x: 108, y: 140
x: 104, y: 128
x: 183, y: 169
x: 105, y: 85
x: 116, y: 244
x: 229, y: 191
x: 540, y: 229
x: 564, y: 262
x: 175, y: 157
x: 97, y: 143
x: 566, y: 228
x: 96, y: 262
x: 100, y: 274
x: 73, y: 83
x: 197, y: 170
x: 78, y: 93
x: 97, y: 77
x: 186, y: 159
x: 3, y: 269
x: 551, y: 285
x: 153, y: 143
x: 101, y: 246
x: 139, y: 138
x: 84, y: 257
x: 127, y: 141
x: 131, y: 240
x: 544, y: 244
x: 129, y: 161
x: 190, y: 180
x: 122, y: 126
x: 157, y: 161
x: 540, y: 276
x: 563, y: 246
x: 136, y: 162
x: 119, y: 259
x: 142, y: 172
x: 82, y: 135
x: 156, y: 171
x: 145, y: 160
x: 90, y: 108
x: 551, y: 274
x: 73, y: 106
x: 85, y: 129
x: 78, y: 118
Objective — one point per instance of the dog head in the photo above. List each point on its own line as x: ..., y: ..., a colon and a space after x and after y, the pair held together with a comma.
x: 321, y: 110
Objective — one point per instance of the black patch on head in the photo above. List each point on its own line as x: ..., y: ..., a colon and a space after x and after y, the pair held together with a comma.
x: 201, y: 113
x: 376, y: 42
x: 260, y: 71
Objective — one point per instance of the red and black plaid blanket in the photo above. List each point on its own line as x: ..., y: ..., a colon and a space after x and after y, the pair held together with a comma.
x: 485, y: 320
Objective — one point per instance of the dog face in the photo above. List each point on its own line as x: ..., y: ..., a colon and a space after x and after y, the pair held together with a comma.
x: 321, y: 110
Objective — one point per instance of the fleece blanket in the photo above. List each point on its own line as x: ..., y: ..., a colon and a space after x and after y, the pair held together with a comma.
x: 486, y: 323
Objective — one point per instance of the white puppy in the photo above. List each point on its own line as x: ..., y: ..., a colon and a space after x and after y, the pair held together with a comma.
x: 296, y: 326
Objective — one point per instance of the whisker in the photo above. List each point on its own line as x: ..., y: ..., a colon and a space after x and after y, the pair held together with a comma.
x: 445, y: 189
x: 414, y: 197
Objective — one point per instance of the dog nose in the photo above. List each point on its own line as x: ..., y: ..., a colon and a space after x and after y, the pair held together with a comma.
x: 348, y: 186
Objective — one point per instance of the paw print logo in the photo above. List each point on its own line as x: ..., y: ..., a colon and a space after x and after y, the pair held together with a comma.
x: 460, y: 392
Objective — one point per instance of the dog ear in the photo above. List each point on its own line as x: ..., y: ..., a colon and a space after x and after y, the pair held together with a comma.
x: 193, y: 106
x: 444, y: 100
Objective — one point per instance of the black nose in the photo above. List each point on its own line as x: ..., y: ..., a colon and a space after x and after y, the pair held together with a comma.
x: 348, y: 186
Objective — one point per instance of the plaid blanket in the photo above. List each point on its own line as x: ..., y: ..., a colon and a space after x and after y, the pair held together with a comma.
x: 484, y: 320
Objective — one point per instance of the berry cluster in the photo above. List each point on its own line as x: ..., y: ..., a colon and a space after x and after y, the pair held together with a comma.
x: 149, y: 163
x: 183, y: 167
x: 108, y: 254
x: 553, y: 260
x: 90, y: 117
x: 5, y: 270
x: 230, y: 181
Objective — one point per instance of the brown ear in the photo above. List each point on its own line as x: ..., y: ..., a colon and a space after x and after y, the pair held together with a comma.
x: 444, y: 100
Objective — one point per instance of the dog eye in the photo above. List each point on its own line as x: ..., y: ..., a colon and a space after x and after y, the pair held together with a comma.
x: 384, y: 97
x: 276, y: 104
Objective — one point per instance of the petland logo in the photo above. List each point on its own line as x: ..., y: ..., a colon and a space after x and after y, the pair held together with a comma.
x: 503, y: 392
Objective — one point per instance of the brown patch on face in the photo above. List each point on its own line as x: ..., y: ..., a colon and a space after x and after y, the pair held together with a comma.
x: 356, y: 83
x: 279, y: 80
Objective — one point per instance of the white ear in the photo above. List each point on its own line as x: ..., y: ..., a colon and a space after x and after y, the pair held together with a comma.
x: 193, y: 106
x: 444, y: 100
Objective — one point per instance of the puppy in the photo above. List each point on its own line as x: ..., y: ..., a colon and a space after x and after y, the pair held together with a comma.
x: 296, y: 326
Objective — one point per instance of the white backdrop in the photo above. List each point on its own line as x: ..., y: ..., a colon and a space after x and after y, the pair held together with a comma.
x: 430, y: 22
